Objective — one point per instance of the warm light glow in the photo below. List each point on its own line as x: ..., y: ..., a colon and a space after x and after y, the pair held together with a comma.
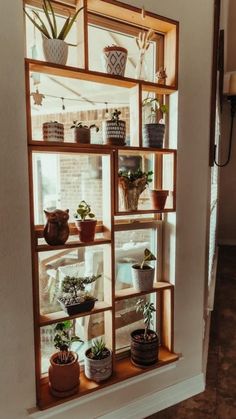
x: 232, y: 84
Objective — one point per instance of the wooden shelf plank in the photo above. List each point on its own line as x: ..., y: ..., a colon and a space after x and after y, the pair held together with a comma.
x: 150, y: 211
x: 95, y: 76
x: 131, y: 292
x: 72, y: 244
x: 51, y: 318
x: 123, y: 370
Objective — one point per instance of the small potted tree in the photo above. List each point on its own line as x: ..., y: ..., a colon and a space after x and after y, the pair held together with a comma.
x: 153, y: 131
x: 98, y: 361
x: 131, y: 185
x: 64, y: 370
x: 55, y: 48
x: 115, y: 58
x: 82, y: 132
x: 75, y: 299
x: 86, y: 227
x: 144, y: 342
x: 143, y: 274
x: 114, y: 130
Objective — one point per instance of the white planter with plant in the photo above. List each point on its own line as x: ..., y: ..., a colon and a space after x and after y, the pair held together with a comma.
x: 64, y: 370
x: 55, y: 48
x: 143, y: 274
x: 114, y: 130
x: 115, y: 58
x: 86, y: 227
x: 153, y: 131
x: 98, y: 361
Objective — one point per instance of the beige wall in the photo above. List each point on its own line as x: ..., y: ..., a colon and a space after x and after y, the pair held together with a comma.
x: 17, y: 371
x: 227, y: 191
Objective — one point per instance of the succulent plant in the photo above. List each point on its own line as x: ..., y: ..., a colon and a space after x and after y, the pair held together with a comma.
x: 83, y: 211
x: 98, y: 349
x: 147, y: 309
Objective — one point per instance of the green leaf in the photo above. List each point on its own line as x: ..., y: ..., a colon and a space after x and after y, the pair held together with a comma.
x: 53, y: 17
x: 45, y: 33
x: 68, y: 25
x: 48, y: 19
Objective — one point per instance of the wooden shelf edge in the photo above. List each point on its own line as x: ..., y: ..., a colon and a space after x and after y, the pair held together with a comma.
x: 131, y: 292
x: 60, y: 316
x: 123, y: 370
x: 96, y: 76
x: 150, y: 211
x: 71, y: 245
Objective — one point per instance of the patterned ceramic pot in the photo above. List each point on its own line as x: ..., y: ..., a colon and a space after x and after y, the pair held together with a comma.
x: 144, y: 353
x: 153, y: 135
x: 115, y: 60
x: 53, y: 131
x: 114, y: 132
x: 142, y: 278
x: 64, y: 378
x: 97, y: 369
x: 55, y: 51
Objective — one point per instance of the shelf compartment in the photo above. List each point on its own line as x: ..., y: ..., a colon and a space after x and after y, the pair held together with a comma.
x: 60, y: 316
x: 123, y: 370
x: 131, y: 292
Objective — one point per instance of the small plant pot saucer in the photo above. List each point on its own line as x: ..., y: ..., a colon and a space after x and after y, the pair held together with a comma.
x: 77, y: 308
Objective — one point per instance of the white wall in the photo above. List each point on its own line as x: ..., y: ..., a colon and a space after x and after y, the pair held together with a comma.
x: 227, y: 195
x: 17, y: 371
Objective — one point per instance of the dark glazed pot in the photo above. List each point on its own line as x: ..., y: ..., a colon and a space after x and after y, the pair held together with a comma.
x: 153, y: 135
x: 144, y: 353
x: 76, y: 308
x: 82, y: 135
x: 64, y: 378
x: 86, y: 230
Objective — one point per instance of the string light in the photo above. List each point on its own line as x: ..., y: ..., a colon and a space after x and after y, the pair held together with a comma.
x: 81, y: 100
x: 63, y: 104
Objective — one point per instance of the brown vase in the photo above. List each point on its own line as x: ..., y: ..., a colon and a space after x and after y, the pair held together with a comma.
x: 130, y: 192
x: 82, y: 135
x: 158, y: 198
x: 86, y: 230
x: 64, y: 378
x: 144, y: 353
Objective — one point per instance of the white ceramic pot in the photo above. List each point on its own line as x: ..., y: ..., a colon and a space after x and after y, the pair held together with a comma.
x: 115, y: 60
x: 55, y: 51
x: 142, y: 278
x: 97, y: 369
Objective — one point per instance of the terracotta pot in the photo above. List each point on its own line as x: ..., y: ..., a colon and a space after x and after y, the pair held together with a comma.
x: 82, y: 135
x: 55, y: 51
x: 86, y: 230
x: 64, y: 378
x: 142, y: 278
x: 76, y: 308
x: 158, y: 198
x: 153, y: 135
x: 97, y: 369
x: 114, y: 133
x: 115, y: 60
x: 130, y: 192
x: 144, y: 353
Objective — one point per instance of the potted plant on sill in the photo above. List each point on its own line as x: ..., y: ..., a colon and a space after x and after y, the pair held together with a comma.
x: 144, y: 342
x: 64, y: 370
x: 114, y: 130
x: 55, y: 48
x: 82, y: 132
x: 143, y: 274
x: 158, y: 198
x: 153, y: 131
x: 75, y: 299
x: 86, y: 227
x: 115, y: 58
x: 131, y: 185
x: 98, y: 361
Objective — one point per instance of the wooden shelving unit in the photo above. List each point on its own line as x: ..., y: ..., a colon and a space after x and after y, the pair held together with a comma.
x: 111, y: 13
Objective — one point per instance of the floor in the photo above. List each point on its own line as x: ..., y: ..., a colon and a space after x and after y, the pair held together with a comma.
x: 219, y: 399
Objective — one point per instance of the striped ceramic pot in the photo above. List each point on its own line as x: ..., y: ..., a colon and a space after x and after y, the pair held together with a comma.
x: 55, y: 51
x: 114, y: 132
x: 115, y: 60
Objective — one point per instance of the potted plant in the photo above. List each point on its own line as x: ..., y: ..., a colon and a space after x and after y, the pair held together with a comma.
x: 153, y: 131
x: 98, y: 361
x: 86, y: 227
x: 144, y: 342
x: 115, y: 58
x: 158, y: 198
x: 55, y: 48
x: 82, y: 132
x: 143, y: 273
x: 75, y: 299
x: 131, y: 185
x: 53, y: 131
x: 64, y: 369
x: 114, y: 130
